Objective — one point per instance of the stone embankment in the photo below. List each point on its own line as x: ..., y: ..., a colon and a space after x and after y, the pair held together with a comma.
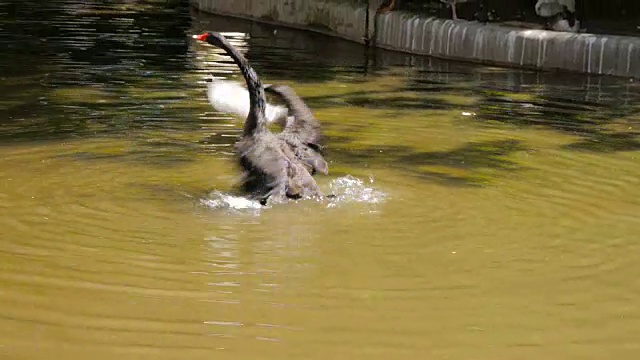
x: 459, y: 40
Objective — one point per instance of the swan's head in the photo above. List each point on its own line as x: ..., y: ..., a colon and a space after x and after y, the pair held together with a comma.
x: 213, y: 38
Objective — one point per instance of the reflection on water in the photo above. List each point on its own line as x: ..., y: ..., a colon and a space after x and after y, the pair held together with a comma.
x: 480, y: 212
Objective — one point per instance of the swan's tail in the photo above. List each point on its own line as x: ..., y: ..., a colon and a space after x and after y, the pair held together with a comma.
x: 232, y: 98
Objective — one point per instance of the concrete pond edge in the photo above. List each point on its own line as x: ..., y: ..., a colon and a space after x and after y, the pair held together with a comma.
x: 457, y: 40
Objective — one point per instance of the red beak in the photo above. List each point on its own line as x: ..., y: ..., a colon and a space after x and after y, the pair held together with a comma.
x: 201, y: 37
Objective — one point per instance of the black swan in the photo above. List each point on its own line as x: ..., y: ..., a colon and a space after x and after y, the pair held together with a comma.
x: 271, y: 169
x: 302, y: 130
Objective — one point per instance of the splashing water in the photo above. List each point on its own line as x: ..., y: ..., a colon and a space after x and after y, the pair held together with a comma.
x: 349, y: 189
x: 220, y: 200
x: 344, y: 190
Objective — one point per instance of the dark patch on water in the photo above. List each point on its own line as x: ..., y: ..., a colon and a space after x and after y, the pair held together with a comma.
x: 456, y: 167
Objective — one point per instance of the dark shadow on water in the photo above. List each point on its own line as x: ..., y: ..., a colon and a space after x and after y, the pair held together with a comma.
x: 581, y: 111
x: 607, y: 142
x: 398, y: 103
x: 471, y: 156
x: 151, y: 153
x: 463, y: 166
x: 401, y: 98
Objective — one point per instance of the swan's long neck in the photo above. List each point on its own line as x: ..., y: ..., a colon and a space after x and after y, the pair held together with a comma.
x: 256, y: 120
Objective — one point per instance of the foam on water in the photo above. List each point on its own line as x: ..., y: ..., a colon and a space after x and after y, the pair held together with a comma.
x: 344, y: 190
x: 349, y: 189
x: 219, y: 200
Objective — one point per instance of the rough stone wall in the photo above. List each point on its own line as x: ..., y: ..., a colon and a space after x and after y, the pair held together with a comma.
x: 461, y: 40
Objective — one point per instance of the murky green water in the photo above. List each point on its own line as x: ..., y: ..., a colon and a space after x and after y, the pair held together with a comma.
x: 509, y: 229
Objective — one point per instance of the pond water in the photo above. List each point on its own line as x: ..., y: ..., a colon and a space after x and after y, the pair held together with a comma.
x: 486, y: 213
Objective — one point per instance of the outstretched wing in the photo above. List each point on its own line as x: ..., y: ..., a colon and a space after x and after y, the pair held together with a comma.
x: 304, y: 125
x: 232, y: 98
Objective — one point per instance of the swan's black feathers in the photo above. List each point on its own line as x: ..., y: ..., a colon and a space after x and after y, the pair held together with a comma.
x: 305, y: 125
x: 303, y: 134
x: 275, y: 167
x: 272, y: 170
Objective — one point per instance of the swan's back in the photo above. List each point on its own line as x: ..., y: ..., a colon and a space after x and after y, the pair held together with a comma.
x: 272, y: 170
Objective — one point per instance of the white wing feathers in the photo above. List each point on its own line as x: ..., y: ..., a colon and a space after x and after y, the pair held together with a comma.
x: 232, y: 98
